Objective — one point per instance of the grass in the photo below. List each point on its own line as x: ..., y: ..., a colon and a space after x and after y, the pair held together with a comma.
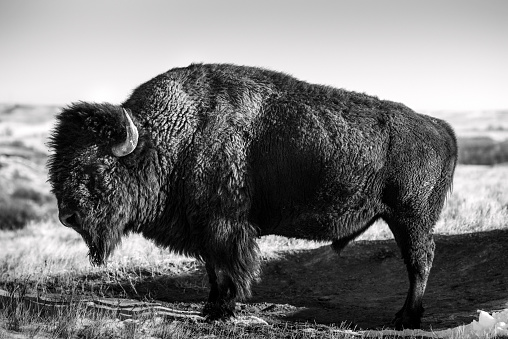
x: 80, y: 324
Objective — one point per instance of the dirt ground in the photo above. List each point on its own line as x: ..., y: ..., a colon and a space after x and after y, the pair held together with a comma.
x: 364, y: 286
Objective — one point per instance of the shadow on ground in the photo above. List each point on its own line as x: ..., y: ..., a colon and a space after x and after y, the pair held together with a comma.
x: 365, y: 285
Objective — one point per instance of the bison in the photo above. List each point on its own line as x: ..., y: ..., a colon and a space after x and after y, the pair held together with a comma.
x: 205, y: 159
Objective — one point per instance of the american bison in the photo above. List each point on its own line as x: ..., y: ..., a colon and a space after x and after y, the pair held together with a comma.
x: 205, y: 159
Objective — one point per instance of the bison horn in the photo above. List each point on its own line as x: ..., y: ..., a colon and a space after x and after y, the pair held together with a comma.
x: 130, y: 142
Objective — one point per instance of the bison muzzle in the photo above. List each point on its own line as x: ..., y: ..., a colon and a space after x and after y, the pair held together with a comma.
x: 205, y: 159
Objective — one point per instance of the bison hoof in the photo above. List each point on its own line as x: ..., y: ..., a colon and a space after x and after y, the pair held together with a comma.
x: 219, y: 311
x: 400, y: 324
x: 404, y: 320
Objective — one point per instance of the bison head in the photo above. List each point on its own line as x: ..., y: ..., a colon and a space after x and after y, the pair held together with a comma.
x: 96, y: 154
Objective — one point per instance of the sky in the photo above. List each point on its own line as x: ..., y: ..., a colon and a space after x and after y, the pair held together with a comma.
x: 429, y: 55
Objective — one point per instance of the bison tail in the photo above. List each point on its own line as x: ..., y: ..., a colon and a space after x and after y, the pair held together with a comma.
x: 451, y: 156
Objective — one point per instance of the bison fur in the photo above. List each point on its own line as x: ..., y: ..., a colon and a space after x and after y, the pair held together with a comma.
x: 205, y: 159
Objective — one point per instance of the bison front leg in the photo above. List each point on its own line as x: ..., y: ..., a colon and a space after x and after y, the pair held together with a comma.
x: 231, y: 264
x: 222, y: 298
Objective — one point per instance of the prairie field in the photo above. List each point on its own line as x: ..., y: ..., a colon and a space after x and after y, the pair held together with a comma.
x: 40, y: 256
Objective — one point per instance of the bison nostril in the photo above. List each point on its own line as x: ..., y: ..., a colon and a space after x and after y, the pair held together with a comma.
x: 70, y: 220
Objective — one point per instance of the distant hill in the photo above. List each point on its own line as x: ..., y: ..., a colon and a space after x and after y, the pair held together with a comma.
x: 482, y: 135
x: 465, y: 123
x: 29, y: 114
x: 488, y: 123
x: 25, y: 128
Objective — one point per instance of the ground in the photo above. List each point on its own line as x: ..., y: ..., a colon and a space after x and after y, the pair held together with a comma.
x: 364, y: 287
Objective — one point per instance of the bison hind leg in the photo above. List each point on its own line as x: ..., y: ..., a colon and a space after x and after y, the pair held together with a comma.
x: 415, y: 240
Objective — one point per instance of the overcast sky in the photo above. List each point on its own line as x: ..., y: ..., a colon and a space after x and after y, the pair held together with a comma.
x: 429, y: 55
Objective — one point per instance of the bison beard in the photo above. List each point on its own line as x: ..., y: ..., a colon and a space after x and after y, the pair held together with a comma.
x: 205, y: 159
x: 100, y: 245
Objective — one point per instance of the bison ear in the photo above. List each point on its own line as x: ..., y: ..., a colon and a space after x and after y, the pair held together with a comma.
x: 131, y: 141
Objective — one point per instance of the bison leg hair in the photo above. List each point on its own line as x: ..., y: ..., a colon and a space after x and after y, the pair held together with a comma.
x: 221, y: 300
x: 417, y: 246
x: 232, y: 264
